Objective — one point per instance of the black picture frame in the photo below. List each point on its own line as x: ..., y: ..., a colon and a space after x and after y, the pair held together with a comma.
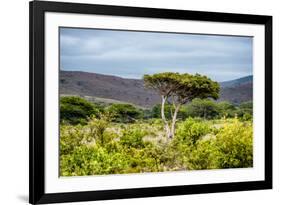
x: 37, y: 11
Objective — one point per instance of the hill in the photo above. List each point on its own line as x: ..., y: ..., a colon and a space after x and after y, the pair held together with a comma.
x: 237, y: 82
x: 108, y: 88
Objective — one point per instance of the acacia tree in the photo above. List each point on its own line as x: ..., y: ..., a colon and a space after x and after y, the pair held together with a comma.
x: 165, y: 84
x: 180, y: 89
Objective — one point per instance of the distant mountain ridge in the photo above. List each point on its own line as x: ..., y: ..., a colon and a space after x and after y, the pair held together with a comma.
x: 237, y: 82
x: 113, y: 88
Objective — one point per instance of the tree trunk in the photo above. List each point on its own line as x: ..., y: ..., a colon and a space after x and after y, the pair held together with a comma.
x: 173, y: 125
x: 167, y: 128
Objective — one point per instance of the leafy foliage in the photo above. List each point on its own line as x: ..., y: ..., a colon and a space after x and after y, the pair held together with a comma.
x: 124, y: 112
x: 75, y: 110
x: 202, y: 156
x: 105, y: 147
x: 196, y: 86
x: 97, y: 129
x: 203, y: 108
x: 235, y: 146
x: 163, y: 83
x: 133, y: 137
x: 246, y: 110
x: 190, y: 131
x: 226, y: 109
x: 185, y: 87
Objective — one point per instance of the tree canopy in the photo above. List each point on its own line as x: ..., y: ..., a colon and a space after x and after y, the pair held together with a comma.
x: 76, y: 110
x: 163, y: 83
x: 183, y: 87
x: 204, y: 108
x: 124, y: 112
x: 180, y: 89
x: 196, y: 86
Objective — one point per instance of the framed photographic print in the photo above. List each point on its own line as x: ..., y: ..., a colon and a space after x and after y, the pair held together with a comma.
x: 141, y: 102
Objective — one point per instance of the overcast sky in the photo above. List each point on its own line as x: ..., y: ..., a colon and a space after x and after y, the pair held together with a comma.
x: 131, y: 54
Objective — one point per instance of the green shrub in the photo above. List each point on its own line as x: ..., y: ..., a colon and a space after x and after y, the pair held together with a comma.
x: 203, y: 108
x: 234, y: 144
x: 75, y: 110
x: 105, y: 147
x: 133, y: 137
x: 202, y: 156
x: 70, y: 138
x: 97, y: 129
x: 227, y: 109
x: 92, y: 161
x: 245, y: 110
x: 190, y: 131
x: 124, y: 112
x: 247, y: 117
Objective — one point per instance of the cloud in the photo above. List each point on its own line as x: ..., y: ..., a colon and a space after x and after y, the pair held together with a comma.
x: 132, y: 54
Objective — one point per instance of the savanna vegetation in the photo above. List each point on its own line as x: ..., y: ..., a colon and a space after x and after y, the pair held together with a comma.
x: 187, y: 130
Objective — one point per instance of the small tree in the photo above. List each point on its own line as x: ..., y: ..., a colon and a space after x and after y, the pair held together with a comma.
x: 75, y: 110
x: 204, y: 108
x: 227, y: 109
x: 124, y: 112
x: 165, y: 84
x: 180, y: 89
x: 245, y: 108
